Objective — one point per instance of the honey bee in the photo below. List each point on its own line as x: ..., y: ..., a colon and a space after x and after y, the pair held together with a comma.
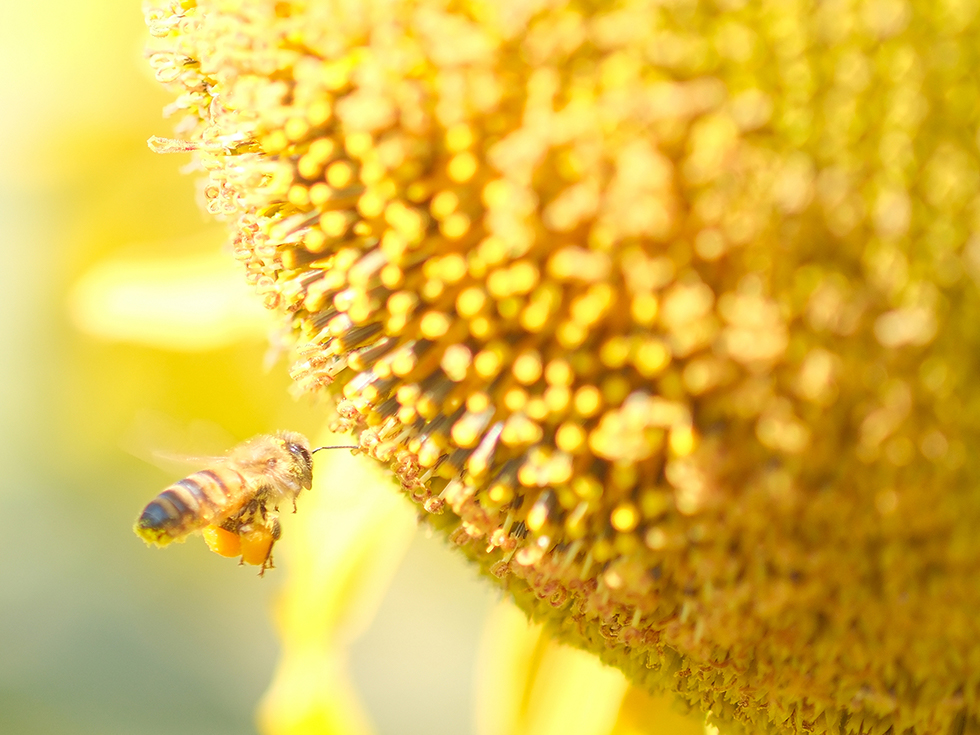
x: 235, y: 502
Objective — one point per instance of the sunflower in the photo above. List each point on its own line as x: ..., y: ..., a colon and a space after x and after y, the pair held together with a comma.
x: 664, y: 313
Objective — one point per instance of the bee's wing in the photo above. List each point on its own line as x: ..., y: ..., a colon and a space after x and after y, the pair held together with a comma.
x: 184, y: 462
x: 151, y: 431
x: 253, y: 456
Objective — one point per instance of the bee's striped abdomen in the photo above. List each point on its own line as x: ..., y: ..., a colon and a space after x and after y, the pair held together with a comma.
x: 190, y: 504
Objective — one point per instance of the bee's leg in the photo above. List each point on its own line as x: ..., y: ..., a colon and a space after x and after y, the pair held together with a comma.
x: 267, y: 564
x: 275, y: 532
x: 243, y: 530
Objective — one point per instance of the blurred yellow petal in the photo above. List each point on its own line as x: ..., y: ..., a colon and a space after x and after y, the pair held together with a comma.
x: 529, y: 684
x: 345, y: 545
x: 188, y: 303
x: 643, y: 713
x: 319, y: 704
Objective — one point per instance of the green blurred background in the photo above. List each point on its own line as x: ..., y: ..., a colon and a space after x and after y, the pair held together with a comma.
x: 99, y: 634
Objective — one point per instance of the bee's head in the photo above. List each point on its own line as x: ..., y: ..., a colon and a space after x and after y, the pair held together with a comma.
x: 300, y: 453
x: 298, y: 448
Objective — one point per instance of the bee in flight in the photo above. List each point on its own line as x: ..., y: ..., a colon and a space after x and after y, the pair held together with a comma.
x: 235, y: 502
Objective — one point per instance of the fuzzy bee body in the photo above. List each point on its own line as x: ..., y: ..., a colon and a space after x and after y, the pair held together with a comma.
x: 235, y: 501
x: 190, y: 504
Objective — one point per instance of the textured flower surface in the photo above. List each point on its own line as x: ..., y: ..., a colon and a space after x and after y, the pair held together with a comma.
x: 664, y: 312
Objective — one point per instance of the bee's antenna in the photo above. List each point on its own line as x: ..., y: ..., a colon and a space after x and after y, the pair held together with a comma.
x: 344, y: 447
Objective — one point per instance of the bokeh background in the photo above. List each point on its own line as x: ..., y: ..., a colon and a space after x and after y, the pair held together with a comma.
x: 128, y: 340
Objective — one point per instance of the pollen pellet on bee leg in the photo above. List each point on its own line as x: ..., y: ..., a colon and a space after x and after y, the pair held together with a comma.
x: 256, y: 547
x: 256, y: 544
x: 222, y: 542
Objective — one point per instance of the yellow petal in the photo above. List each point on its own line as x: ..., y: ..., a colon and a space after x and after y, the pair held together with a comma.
x: 175, y: 303
x: 529, y: 684
x: 643, y: 713
x: 342, y: 548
